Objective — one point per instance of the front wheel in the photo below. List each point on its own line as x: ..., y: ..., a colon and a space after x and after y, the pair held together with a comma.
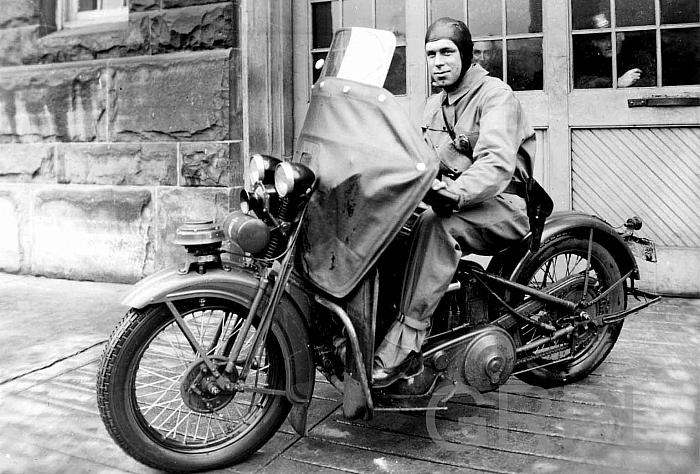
x: 148, y: 407
x: 565, y: 258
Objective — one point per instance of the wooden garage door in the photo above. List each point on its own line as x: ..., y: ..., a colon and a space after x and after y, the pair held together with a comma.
x: 650, y: 172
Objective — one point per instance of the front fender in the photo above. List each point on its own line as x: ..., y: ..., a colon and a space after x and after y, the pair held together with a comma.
x: 289, y: 326
x: 507, y: 263
x: 169, y: 284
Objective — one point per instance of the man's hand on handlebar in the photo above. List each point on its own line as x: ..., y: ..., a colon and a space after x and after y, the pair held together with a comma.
x: 443, y: 202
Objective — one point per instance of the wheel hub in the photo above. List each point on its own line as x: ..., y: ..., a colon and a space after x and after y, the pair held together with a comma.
x: 199, y: 388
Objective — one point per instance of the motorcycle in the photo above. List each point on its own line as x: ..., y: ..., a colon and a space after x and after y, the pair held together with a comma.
x: 215, y: 354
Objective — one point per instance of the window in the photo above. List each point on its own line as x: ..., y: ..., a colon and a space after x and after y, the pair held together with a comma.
x: 507, y: 36
x: 640, y: 43
x: 79, y: 13
x: 385, y: 14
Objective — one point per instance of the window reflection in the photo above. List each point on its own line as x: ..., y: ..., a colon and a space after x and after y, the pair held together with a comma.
x: 636, y: 58
x: 321, y: 24
x: 85, y: 5
x: 525, y: 64
x: 317, y: 65
x: 634, y: 12
x: 484, y: 17
x: 396, y: 78
x: 523, y: 16
x: 680, y: 51
x: 592, y: 61
x: 391, y: 15
x: 489, y: 55
x: 679, y: 11
x: 587, y: 14
x: 357, y: 13
x: 451, y: 8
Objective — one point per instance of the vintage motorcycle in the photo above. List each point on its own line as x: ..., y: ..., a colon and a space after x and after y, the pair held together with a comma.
x: 214, y: 355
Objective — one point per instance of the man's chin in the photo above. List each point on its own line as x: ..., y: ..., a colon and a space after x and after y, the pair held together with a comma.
x: 444, y: 84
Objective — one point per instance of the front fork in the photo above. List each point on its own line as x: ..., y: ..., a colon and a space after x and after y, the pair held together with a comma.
x: 229, y: 380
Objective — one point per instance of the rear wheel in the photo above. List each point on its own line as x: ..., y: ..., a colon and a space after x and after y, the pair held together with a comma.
x: 147, y: 403
x: 564, y: 258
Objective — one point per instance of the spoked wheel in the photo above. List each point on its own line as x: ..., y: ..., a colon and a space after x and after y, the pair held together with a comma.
x: 159, y: 400
x: 564, y: 260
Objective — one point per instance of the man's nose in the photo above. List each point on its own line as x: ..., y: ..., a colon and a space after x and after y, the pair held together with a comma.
x: 439, y: 59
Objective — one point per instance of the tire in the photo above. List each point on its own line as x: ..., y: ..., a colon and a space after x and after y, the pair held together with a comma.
x: 565, y: 256
x: 146, y: 411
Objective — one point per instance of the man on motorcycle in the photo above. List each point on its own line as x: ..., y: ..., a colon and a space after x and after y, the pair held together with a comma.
x: 486, y: 148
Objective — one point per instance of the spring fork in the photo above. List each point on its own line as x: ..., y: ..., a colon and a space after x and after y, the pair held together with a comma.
x: 277, y: 290
x: 240, y: 339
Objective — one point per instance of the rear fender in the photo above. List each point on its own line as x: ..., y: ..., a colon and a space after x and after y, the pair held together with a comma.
x: 509, y: 262
x: 290, y: 327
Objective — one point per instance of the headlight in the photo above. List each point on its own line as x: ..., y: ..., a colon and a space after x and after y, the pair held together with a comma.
x: 261, y: 168
x: 257, y: 200
x: 293, y: 178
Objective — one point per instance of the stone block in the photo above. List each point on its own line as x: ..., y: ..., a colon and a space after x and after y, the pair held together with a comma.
x: 41, y: 104
x: 143, y: 5
x: 93, y: 43
x: 92, y: 233
x: 189, y: 3
x: 117, y: 163
x: 198, y: 27
x: 179, y: 205
x: 171, y: 97
x: 19, y: 13
x: 211, y: 164
x: 17, y: 44
x: 14, y: 212
x: 27, y: 162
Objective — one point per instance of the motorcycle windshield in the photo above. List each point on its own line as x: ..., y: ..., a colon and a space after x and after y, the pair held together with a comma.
x: 373, y: 166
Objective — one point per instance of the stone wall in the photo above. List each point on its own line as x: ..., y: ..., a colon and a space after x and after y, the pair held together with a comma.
x: 111, y: 137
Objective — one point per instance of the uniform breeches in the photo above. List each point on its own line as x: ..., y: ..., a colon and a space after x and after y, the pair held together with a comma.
x: 438, y: 245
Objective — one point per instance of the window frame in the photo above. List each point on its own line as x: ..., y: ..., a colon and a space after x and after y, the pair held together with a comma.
x: 503, y: 38
x: 68, y: 17
x: 613, y: 29
x: 337, y: 23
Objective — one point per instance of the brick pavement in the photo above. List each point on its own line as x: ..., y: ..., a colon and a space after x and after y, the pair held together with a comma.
x: 637, y: 413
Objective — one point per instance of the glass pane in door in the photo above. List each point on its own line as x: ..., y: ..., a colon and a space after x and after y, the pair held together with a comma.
x: 525, y: 64
x: 523, y: 16
x: 484, y: 17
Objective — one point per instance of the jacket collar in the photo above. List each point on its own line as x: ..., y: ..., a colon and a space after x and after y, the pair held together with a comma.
x: 473, y: 76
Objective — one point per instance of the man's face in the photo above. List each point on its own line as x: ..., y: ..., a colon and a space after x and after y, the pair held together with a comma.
x: 604, y: 46
x: 444, y: 62
x: 482, y: 52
